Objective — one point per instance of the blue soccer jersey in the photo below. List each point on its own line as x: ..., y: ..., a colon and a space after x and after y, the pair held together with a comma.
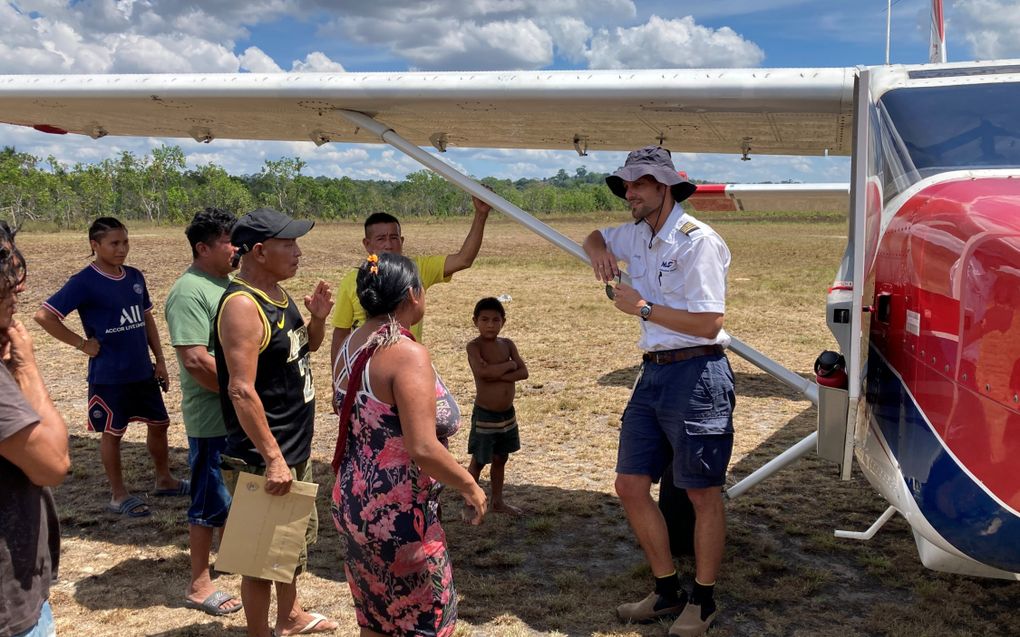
x: 112, y: 310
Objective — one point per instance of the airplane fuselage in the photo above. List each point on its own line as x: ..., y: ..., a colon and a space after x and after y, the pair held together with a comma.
x: 940, y: 434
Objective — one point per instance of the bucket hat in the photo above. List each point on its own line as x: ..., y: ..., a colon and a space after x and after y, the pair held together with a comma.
x: 655, y: 162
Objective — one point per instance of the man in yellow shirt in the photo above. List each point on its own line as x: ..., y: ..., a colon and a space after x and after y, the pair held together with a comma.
x: 382, y: 234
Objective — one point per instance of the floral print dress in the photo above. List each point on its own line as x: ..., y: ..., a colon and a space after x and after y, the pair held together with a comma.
x: 386, y: 510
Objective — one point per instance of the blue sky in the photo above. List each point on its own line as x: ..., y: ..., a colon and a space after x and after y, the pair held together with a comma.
x: 161, y: 36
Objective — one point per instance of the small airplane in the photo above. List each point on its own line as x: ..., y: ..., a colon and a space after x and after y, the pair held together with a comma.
x: 924, y: 304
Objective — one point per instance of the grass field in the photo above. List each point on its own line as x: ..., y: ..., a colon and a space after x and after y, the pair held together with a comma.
x: 562, y: 568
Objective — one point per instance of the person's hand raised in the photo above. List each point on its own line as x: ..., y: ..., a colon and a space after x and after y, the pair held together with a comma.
x: 320, y: 301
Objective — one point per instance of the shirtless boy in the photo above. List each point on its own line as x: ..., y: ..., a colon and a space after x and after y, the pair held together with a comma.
x: 496, y: 366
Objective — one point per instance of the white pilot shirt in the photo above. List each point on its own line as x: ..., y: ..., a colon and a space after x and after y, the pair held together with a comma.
x: 683, y: 267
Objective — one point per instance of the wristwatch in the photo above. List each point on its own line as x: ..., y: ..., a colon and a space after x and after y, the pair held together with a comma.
x: 645, y: 311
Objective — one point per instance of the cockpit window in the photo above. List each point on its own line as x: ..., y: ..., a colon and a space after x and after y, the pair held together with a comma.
x: 943, y: 128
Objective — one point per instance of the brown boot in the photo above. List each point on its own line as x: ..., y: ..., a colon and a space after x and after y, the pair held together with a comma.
x: 649, y: 609
x: 690, y: 623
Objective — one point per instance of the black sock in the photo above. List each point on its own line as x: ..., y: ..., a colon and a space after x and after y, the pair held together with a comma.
x: 702, y: 595
x: 668, y: 590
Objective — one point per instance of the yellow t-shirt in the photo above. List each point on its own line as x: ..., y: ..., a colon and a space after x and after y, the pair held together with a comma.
x: 348, y: 313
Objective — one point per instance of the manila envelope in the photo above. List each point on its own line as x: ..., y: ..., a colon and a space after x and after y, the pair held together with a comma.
x: 264, y: 533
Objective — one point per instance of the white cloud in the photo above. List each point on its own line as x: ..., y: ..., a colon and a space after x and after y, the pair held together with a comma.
x: 480, y: 34
x: 449, y: 44
x: 991, y: 28
x: 317, y: 62
x: 180, y: 53
x: 255, y: 60
x: 679, y: 42
x: 571, y: 36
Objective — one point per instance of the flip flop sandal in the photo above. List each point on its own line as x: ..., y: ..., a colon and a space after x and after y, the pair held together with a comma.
x: 309, y: 628
x: 214, y: 604
x: 183, y: 488
x: 133, y: 507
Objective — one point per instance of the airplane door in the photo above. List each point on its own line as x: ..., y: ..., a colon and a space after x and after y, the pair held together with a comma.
x: 846, y: 315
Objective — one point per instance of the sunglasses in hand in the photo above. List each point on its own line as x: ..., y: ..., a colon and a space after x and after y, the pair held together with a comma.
x: 611, y: 288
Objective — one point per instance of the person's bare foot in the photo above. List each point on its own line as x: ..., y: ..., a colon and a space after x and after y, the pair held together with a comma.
x: 503, y: 507
x: 305, y: 623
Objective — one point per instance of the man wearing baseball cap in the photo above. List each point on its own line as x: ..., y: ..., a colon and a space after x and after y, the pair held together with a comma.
x: 262, y: 347
x: 680, y: 413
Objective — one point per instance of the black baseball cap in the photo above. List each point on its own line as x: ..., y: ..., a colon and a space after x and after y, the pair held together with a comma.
x: 263, y: 224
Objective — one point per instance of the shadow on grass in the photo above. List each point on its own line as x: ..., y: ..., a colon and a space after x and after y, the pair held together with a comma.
x: 565, y: 566
x: 201, y: 630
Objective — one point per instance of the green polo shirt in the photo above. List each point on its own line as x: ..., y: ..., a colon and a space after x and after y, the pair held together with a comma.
x: 190, y: 310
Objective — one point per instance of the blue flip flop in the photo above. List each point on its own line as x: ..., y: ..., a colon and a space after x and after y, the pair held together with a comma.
x: 183, y: 488
x: 133, y: 507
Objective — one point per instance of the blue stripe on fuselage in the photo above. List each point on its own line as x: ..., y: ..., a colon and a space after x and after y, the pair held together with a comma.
x: 953, y: 503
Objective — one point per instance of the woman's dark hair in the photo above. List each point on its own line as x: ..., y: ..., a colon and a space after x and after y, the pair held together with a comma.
x: 208, y: 226
x: 13, y: 269
x: 101, y: 226
x: 381, y: 291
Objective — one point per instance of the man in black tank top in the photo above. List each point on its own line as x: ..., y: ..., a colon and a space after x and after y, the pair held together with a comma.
x: 266, y: 391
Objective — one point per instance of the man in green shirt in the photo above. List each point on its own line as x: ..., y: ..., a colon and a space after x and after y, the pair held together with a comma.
x: 190, y: 310
x: 382, y: 234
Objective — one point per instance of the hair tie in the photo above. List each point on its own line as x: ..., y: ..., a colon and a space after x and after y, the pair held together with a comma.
x: 374, y: 260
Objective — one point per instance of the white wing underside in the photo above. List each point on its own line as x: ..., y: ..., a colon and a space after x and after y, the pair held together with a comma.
x: 771, y: 111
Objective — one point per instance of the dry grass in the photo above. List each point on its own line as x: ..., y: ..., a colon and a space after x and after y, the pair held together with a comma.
x: 562, y: 569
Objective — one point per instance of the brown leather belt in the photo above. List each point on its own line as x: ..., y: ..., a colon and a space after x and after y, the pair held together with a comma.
x: 666, y: 356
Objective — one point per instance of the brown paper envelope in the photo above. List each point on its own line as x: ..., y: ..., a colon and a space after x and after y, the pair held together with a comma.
x: 264, y: 533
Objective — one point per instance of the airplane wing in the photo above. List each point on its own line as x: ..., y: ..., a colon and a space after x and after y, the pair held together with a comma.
x: 758, y: 111
x: 833, y: 197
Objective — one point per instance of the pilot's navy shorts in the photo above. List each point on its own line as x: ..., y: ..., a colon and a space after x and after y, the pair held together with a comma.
x: 680, y: 412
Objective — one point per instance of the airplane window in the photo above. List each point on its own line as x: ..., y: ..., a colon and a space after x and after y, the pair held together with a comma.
x: 943, y: 128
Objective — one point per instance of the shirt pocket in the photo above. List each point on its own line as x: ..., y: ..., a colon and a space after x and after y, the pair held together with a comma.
x: 637, y: 269
x: 672, y: 283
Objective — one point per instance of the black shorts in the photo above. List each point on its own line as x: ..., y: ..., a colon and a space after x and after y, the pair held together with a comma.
x: 493, y: 433
x: 112, y: 407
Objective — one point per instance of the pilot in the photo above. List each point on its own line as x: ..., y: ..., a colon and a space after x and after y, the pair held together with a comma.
x: 680, y: 413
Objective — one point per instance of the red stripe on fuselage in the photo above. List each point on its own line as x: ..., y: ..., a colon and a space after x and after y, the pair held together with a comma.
x: 951, y: 256
x: 712, y: 198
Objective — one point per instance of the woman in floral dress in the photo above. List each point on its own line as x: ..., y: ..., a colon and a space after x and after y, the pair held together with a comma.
x: 391, y: 462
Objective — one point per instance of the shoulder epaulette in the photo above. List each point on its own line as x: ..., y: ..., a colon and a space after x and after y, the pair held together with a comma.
x: 689, y: 227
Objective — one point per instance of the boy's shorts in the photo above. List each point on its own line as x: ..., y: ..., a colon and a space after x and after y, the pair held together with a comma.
x: 493, y: 433
x: 210, y: 500
x: 682, y: 411
x: 232, y: 468
x: 112, y: 407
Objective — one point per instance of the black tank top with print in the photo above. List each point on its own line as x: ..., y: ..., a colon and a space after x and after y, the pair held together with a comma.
x: 283, y: 381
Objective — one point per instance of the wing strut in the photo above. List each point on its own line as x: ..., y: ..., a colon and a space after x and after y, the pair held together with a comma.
x: 807, y: 388
x: 463, y: 182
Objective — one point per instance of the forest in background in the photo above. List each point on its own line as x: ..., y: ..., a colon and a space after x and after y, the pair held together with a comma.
x: 160, y: 188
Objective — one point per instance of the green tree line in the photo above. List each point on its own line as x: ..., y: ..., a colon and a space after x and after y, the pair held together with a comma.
x: 160, y: 188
